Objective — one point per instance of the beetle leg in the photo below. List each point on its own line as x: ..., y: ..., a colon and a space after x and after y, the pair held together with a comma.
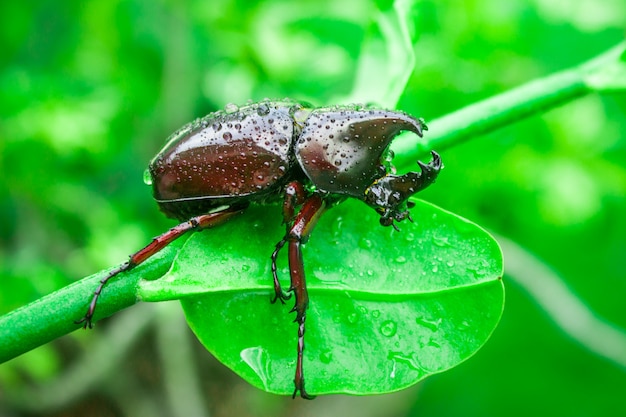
x: 298, y: 234
x: 279, y: 294
x: 294, y: 196
x: 202, y: 222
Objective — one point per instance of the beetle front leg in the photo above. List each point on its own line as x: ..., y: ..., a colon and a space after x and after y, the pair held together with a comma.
x: 279, y: 294
x: 298, y: 234
x: 195, y: 223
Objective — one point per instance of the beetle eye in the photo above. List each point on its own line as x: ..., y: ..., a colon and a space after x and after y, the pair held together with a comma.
x: 410, y: 204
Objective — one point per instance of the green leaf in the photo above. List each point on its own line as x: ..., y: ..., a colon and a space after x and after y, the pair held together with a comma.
x: 387, y: 308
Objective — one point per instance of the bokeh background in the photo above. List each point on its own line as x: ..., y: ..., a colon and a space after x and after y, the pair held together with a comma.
x: 90, y: 90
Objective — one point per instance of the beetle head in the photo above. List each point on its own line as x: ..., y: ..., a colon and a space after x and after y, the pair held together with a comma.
x: 389, y: 195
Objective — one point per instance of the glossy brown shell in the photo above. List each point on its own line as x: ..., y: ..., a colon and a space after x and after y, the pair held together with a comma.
x: 226, y: 158
x: 340, y: 148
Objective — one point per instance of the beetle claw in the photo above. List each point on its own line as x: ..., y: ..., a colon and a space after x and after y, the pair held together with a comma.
x: 282, y: 296
x: 86, y: 321
x: 303, y: 393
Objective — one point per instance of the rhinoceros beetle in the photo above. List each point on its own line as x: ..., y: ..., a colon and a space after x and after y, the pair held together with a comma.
x: 310, y: 158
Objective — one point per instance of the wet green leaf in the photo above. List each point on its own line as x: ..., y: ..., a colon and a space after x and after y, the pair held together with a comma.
x: 387, y: 308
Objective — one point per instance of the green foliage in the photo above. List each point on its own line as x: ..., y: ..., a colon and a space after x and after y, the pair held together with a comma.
x: 387, y: 309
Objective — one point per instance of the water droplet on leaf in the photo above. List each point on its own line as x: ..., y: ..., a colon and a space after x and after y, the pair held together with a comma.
x: 400, y: 259
x: 432, y: 325
x: 326, y: 357
x: 388, y: 328
x: 147, y: 178
x: 257, y: 359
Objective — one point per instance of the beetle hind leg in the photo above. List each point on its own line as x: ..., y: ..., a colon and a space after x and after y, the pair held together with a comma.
x: 201, y: 222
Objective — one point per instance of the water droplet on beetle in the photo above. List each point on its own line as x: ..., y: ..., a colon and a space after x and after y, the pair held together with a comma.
x: 263, y: 109
x: 231, y: 108
x: 227, y: 136
x: 147, y: 178
x: 388, y: 328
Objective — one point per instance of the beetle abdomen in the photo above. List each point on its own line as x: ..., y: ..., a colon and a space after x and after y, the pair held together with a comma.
x: 224, y: 157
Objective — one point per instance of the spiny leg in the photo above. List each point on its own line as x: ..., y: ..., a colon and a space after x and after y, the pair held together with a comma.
x: 298, y: 234
x: 204, y: 221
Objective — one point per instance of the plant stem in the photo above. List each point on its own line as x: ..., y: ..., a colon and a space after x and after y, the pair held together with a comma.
x: 53, y: 316
x: 488, y: 115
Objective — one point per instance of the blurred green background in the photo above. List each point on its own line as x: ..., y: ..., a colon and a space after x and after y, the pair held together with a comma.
x: 90, y: 90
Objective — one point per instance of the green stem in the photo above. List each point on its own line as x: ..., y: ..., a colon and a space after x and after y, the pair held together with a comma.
x: 53, y: 316
x: 527, y: 100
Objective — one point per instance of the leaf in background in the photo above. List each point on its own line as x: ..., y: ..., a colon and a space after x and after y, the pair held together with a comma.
x: 387, y: 308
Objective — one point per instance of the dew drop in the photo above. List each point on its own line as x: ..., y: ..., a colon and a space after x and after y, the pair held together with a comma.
x: 326, y: 357
x: 353, y: 317
x: 365, y: 243
x: 257, y: 359
x: 388, y: 328
x: 231, y: 108
x: 400, y: 259
x: 147, y: 178
x: 263, y: 109
x: 441, y: 241
x: 432, y: 325
x: 376, y: 314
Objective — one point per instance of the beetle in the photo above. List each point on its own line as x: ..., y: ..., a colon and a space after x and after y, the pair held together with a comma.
x: 310, y: 158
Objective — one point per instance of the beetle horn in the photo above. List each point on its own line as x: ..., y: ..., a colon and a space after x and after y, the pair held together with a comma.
x: 389, y: 194
x: 417, y: 181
